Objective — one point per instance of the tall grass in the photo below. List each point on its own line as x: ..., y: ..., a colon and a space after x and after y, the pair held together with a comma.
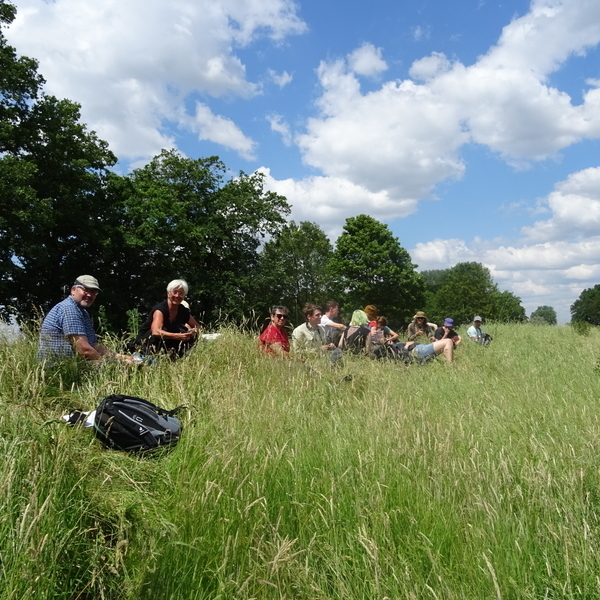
x: 474, y: 480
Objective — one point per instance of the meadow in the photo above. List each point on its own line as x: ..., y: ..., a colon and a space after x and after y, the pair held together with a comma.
x: 475, y: 480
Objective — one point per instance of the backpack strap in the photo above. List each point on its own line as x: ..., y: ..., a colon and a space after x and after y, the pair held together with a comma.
x: 134, y: 427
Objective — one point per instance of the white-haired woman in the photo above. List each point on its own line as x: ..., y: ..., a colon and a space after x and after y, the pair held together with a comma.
x: 170, y: 325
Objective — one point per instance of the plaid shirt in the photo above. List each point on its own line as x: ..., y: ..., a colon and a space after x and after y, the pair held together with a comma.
x: 65, y: 319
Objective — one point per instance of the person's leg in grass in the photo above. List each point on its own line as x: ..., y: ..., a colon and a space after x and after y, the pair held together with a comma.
x: 446, y: 347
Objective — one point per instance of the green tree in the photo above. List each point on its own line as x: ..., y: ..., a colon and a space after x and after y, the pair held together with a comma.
x: 180, y: 218
x: 587, y: 307
x: 53, y: 207
x: 543, y: 315
x: 371, y: 267
x: 435, y: 279
x: 506, y: 307
x: 294, y: 268
x: 469, y: 291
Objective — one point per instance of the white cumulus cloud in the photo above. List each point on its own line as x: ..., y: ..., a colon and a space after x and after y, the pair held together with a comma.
x: 279, y: 125
x: 132, y: 65
x: 553, y: 264
x: 281, y: 79
x: 367, y: 60
x: 405, y: 137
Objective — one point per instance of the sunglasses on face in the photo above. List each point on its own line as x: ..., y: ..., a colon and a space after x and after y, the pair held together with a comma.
x: 278, y: 316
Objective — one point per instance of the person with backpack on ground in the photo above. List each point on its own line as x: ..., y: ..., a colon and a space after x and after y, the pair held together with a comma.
x: 477, y: 334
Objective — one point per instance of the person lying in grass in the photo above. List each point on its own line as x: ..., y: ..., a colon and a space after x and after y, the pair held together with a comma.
x: 445, y: 347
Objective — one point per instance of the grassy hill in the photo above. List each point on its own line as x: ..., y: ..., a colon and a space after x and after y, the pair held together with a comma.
x: 475, y: 480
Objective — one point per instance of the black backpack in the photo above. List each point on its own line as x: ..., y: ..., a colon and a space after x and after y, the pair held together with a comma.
x: 356, y: 341
x: 134, y: 424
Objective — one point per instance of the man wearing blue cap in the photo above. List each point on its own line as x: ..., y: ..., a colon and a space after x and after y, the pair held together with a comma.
x: 67, y: 330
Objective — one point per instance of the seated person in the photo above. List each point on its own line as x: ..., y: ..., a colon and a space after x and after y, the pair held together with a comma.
x: 357, y: 338
x: 274, y: 340
x: 383, y: 335
x: 419, y: 327
x: 332, y: 328
x: 67, y: 330
x: 477, y: 334
x: 371, y: 312
x: 446, y: 331
x: 170, y: 327
x: 310, y: 335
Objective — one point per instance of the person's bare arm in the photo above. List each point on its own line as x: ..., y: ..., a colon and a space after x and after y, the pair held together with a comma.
x: 278, y: 350
x: 82, y: 346
x: 157, y: 328
x: 393, y: 337
x: 194, y: 324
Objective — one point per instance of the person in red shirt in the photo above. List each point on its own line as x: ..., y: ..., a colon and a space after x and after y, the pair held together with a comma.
x: 274, y: 339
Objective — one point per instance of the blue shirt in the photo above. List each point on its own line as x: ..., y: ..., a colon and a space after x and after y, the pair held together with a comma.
x: 65, y: 319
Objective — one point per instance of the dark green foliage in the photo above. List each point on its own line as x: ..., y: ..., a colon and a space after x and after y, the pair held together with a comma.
x: 506, y: 307
x: 293, y: 268
x: 373, y: 268
x: 543, y: 315
x: 63, y: 213
x: 435, y: 279
x: 52, y: 172
x: 469, y: 290
x: 178, y: 218
x: 581, y: 327
x: 587, y: 306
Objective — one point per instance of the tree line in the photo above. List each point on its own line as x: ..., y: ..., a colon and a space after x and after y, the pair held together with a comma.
x: 65, y: 212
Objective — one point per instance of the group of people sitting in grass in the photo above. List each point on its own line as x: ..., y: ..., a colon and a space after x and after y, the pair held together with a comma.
x: 67, y: 330
x: 367, y: 333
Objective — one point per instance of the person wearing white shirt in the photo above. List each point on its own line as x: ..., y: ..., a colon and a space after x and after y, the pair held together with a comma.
x: 477, y: 334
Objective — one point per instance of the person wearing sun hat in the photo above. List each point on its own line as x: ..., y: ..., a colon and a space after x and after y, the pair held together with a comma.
x: 446, y: 332
x: 67, y: 330
x: 419, y: 327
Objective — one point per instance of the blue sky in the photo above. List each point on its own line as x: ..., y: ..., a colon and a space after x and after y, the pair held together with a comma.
x: 472, y: 129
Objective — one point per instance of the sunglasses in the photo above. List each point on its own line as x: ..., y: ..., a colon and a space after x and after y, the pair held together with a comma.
x: 280, y: 316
